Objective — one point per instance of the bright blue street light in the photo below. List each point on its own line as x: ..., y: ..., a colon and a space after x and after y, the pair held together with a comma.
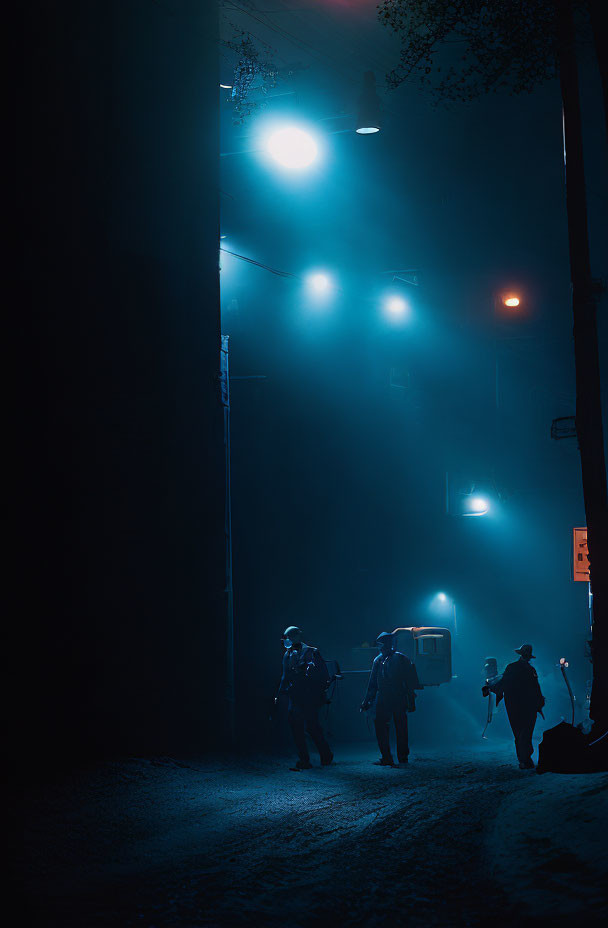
x: 476, y: 506
x: 320, y: 285
x: 396, y: 308
x: 292, y: 148
x: 441, y: 603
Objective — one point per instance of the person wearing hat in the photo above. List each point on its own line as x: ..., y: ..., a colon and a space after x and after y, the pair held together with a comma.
x: 392, y: 684
x: 520, y: 688
x: 304, y: 680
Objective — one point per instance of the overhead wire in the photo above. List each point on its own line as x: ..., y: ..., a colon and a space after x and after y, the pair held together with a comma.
x: 267, y: 267
x: 260, y: 264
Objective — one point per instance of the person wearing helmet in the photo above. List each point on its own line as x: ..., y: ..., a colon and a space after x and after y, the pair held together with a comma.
x: 304, y: 680
x: 519, y: 686
x: 392, y: 684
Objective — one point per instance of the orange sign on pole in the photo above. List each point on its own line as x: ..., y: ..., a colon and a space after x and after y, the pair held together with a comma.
x: 580, y: 561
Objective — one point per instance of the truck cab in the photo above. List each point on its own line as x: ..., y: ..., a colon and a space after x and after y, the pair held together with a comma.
x: 429, y: 647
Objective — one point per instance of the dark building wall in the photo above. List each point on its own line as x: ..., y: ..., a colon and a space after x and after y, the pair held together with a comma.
x: 120, y: 489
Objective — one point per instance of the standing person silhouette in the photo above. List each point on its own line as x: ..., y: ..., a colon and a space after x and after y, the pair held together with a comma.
x: 519, y: 686
x: 392, y: 684
x: 304, y: 681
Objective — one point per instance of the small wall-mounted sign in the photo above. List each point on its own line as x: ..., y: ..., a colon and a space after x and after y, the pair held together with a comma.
x: 580, y: 556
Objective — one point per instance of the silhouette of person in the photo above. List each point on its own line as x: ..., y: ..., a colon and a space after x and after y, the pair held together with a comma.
x: 519, y: 686
x: 392, y: 682
x: 304, y: 680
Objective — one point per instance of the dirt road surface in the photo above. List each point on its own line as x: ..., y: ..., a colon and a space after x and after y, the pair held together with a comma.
x: 456, y: 838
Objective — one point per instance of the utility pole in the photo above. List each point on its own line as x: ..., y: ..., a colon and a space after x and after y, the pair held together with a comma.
x: 588, y: 397
x: 228, y: 589
x: 224, y: 381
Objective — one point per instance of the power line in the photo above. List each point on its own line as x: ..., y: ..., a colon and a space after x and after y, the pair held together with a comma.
x: 265, y: 267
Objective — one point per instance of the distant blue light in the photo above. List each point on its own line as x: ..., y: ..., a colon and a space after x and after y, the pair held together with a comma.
x: 320, y: 285
x: 396, y: 308
x: 476, y: 506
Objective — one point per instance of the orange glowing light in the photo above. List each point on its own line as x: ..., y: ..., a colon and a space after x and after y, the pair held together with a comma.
x: 511, y: 301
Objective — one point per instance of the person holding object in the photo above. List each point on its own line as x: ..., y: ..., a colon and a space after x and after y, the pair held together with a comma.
x: 519, y: 686
x: 304, y: 680
x: 490, y: 668
x: 392, y: 684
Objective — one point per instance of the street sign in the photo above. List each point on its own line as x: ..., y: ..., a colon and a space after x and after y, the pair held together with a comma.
x: 580, y: 559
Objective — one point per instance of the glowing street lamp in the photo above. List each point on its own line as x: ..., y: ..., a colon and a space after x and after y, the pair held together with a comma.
x: 292, y: 148
x: 476, y: 506
x: 511, y: 301
x: 395, y: 307
x: 320, y: 285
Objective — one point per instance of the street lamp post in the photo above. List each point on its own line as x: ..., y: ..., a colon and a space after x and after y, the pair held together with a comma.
x: 224, y: 380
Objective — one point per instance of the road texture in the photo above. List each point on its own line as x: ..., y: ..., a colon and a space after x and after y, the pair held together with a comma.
x: 456, y: 838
